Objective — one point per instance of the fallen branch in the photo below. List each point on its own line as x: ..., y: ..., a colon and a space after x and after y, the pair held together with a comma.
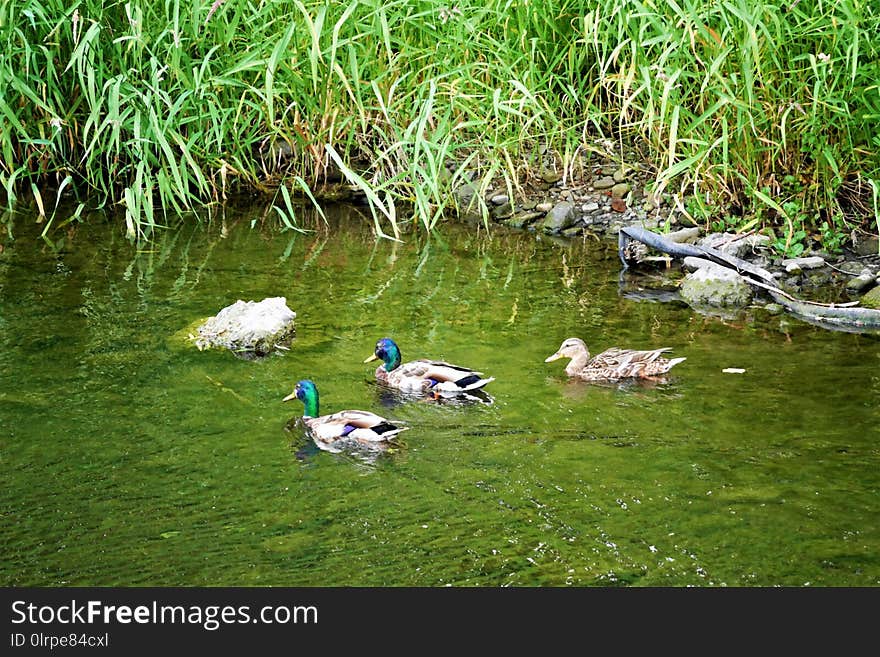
x: 834, y: 316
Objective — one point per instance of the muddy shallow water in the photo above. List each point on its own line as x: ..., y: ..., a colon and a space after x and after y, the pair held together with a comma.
x: 131, y: 458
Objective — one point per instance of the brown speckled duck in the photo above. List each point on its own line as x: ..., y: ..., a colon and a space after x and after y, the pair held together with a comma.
x: 613, y: 363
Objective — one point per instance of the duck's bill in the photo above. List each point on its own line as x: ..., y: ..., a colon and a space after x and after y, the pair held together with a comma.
x: 555, y: 356
x: 373, y: 357
x: 290, y: 396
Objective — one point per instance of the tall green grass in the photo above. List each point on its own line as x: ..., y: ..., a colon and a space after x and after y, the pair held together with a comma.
x: 761, y: 112
x: 767, y: 109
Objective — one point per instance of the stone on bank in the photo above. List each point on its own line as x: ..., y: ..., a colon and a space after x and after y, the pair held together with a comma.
x: 872, y: 299
x: 559, y: 218
x: 714, y: 285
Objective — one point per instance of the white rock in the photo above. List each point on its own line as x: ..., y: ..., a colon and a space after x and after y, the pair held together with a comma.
x: 684, y: 235
x: 714, y: 285
x: 249, y: 327
x: 797, y: 264
x: 692, y: 263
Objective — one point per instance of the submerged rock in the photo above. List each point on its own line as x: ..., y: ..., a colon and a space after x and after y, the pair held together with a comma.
x: 714, y: 285
x: 249, y: 328
x: 522, y: 219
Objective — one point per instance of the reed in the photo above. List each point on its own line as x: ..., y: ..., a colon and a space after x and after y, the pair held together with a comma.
x: 760, y: 112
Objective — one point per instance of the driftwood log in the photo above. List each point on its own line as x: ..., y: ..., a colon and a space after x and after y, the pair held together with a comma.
x: 835, y: 316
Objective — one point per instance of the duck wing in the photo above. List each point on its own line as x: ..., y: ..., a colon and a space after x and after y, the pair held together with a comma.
x: 446, y: 377
x: 437, y: 370
x: 615, y: 356
x: 616, y: 362
x: 355, y: 424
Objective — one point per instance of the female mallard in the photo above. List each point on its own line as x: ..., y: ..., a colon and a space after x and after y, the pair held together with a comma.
x: 612, y: 363
x: 423, y: 375
x: 329, y: 431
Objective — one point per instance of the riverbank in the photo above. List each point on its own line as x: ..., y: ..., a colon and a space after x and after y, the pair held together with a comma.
x: 607, y: 197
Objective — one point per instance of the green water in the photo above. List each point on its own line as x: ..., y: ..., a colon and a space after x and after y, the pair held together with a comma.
x: 129, y: 458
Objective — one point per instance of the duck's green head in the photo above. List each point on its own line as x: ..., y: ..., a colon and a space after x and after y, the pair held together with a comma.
x: 307, y: 392
x: 388, y: 352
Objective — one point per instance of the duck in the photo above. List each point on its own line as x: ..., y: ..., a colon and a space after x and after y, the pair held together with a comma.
x: 434, y: 376
x: 331, y: 431
x: 614, y: 363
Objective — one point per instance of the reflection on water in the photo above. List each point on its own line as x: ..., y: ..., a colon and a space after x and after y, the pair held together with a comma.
x: 131, y: 458
x: 305, y: 448
x: 389, y: 398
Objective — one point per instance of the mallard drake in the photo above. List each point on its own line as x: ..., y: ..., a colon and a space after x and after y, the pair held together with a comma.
x: 613, y: 363
x: 330, y: 431
x: 423, y: 375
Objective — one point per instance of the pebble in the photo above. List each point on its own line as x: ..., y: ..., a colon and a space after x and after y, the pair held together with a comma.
x: 620, y: 190
x: 793, y: 265
x: 852, y: 267
x: 692, y: 263
x: 860, y: 282
x: 522, y: 219
x: 605, y: 182
x: 544, y: 207
x: 503, y: 211
x: 685, y: 235
x: 559, y: 218
x: 866, y: 246
x: 500, y: 199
